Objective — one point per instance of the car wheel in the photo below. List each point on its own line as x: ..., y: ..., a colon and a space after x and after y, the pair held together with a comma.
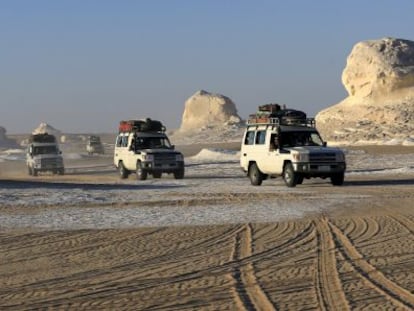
x: 289, y: 175
x: 123, y: 172
x: 255, y: 175
x: 338, y: 179
x: 141, y: 173
x: 179, y: 174
x: 156, y: 174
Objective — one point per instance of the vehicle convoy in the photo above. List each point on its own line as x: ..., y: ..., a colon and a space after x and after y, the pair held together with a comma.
x: 143, y: 147
x: 43, y: 155
x: 94, y: 145
x: 287, y: 144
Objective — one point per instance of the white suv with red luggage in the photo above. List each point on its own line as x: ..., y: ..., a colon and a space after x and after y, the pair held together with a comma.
x: 142, y: 147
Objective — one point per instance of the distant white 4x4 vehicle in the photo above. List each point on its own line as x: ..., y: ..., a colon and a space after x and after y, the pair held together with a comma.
x: 94, y: 145
x: 145, y: 149
x: 43, y: 155
x: 294, y: 152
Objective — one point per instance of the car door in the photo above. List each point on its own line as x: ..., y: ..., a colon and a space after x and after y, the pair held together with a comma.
x: 271, y: 155
x: 129, y: 151
x: 260, y: 151
x: 247, y: 148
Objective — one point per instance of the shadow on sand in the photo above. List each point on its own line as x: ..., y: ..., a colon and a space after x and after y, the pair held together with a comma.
x: 380, y: 182
x: 18, y: 184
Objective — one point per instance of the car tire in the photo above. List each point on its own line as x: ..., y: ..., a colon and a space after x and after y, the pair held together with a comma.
x: 179, y: 174
x: 141, y: 173
x: 156, y: 174
x: 289, y: 175
x: 123, y: 172
x: 338, y: 179
x: 255, y: 175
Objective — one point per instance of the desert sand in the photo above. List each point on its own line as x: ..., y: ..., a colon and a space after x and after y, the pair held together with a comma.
x: 357, y: 255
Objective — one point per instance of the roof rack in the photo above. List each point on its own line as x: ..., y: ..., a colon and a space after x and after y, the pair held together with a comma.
x: 309, y: 122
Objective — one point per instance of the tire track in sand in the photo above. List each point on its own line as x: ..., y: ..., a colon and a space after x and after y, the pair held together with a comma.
x: 116, y: 273
x: 96, y: 289
x: 330, y: 293
x: 248, y: 293
x: 395, y: 293
x: 405, y: 222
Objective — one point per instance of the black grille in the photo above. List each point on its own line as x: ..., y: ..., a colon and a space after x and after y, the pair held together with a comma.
x: 164, y: 157
x: 50, y: 163
x: 322, y: 157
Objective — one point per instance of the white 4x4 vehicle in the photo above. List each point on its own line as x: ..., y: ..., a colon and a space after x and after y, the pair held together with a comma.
x: 43, y: 155
x: 294, y: 152
x: 147, y: 152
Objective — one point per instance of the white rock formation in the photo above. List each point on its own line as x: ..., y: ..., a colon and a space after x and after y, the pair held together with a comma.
x: 378, y: 67
x: 379, y: 78
x: 46, y: 128
x: 207, y: 110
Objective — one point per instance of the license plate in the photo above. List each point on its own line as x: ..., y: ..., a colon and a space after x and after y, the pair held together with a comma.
x: 324, y: 168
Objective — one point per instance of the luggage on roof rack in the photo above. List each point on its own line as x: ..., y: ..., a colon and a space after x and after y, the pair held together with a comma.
x: 253, y: 120
x: 144, y: 125
x: 272, y: 108
x: 290, y: 116
x: 273, y: 114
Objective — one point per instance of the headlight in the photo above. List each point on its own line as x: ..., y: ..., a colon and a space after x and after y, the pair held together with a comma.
x: 179, y: 157
x: 299, y: 157
x: 148, y: 157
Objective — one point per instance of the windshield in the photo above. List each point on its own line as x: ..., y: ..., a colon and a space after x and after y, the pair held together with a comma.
x: 152, y: 143
x: 45, y: 150
x: 294, y: 139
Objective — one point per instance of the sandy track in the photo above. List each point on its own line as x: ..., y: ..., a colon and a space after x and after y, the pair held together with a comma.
x: 324, y: 263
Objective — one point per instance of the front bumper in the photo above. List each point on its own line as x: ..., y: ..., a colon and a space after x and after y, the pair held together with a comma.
x: 168, y: 167
x: 48, y: 166
x: 320, y: 168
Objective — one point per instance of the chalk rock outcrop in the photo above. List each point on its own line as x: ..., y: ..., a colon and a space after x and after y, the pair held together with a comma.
x: 46, y: 128
x: 378, y: 67
x: 379, y: 79
x: 205, y: 109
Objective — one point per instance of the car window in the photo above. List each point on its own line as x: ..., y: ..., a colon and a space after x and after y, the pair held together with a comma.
x: 260, y: 137
x: 124, y: 142
x: 118, y: 141
x: 249, y: 140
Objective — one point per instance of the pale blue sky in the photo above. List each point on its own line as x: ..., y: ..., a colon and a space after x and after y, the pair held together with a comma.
x: 83, y: 65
